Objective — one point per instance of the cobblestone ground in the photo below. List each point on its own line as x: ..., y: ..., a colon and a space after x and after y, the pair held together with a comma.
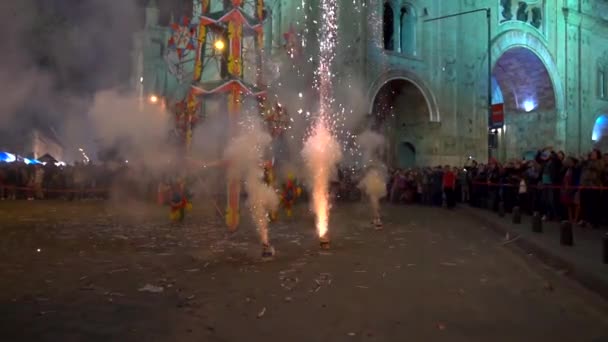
x: 93, y: 271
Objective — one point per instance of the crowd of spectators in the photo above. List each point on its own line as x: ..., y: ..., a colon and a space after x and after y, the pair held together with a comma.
x: 19, y: 181
x: 557, y: 186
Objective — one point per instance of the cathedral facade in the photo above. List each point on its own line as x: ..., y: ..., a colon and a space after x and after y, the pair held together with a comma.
x: 445, y: 81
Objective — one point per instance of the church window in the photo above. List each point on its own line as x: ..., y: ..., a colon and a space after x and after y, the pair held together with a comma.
x: 602, y: 83
x: 602, y: 76
x: 268, y: 31
x: 277, y: 29
x: 387, y: 27
x: 408, y: 30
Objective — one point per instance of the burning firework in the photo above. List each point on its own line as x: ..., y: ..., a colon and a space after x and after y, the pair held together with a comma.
x: 374, y: 181
x: 321, y: 153
x: 321, y: 150
x: 245, y: 154
x: 374, y: 185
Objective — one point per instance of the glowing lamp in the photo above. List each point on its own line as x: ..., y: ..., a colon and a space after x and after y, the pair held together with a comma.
x: 599, y: 128
x: 529, y: 106
x: 153, y: 99
x: 219, y: 45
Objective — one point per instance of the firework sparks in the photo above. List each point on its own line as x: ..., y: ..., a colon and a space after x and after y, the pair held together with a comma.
x: 321, y: 153
x: 322, y: 150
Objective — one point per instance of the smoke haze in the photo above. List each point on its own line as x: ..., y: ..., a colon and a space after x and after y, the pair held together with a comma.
x: 374, y: 181
x: 246, y: 155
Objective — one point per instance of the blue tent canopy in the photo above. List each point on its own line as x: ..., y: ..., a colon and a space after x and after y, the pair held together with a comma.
x: 7, y: 157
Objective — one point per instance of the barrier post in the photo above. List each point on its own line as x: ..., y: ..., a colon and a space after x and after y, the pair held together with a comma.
x: 537, y: 223
x: 516, y: 215
x: 566, y: 237
x: 501, y: 209
x: 605, y: 248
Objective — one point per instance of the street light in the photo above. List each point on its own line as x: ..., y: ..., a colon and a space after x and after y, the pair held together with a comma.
x: 219, y: 45
x: 488, y: 12
x: 153, y: 99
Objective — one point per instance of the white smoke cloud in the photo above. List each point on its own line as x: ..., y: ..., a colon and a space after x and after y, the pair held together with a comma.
x: 56, y: 55
x: 374, y: 186
x: 245, y: 154
x: 321, y: 153
x: 117, y: 117
x: 374, y: 181
x: 370, y: 144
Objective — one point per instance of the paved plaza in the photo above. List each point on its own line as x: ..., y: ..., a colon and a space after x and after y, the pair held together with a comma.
x: 94, y: 271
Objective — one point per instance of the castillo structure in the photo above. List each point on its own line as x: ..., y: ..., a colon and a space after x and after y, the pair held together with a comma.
x: 442, y: 80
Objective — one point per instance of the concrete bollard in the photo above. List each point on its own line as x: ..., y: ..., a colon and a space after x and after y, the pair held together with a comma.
x: 605, y: 248
x: 566, y: 237
x: 537, y: 223
x: 501, y: 209
x: 516, y: 215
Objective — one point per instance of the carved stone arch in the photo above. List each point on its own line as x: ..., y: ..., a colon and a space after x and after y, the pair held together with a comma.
x: 389, y: 76
x: 512, y: 45
x: 519, y: 39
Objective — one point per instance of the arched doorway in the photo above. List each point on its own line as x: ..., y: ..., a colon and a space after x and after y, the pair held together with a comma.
x: 521, y: 82
x: 406, y: 155
x: 400, y: 111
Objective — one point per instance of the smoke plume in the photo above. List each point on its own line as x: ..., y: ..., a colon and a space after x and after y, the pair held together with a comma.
x: 56, y: 56
x: 321, y: 153
x: 374, y: 186
x: 374, y: 181
x: 245, y: 154
x: 370, y: 144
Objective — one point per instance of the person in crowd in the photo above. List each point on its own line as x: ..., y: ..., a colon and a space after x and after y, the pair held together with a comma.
x: 437, y: 186
x: 569, y: 194
x: 449, y: 187
x: 178, y: 202
x: 493, y: 180
x: 591, y: 172
x: 522, y: 190
x: 551, y: 166
x: 604, y: 182
x: 38, y: 177
x: 464, y: 180
x: 3, y: 181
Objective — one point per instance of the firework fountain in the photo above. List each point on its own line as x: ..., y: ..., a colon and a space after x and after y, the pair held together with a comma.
x: 374, y: 181
x: 321, y: 153
x: 321, y: 149
x: 245, y: 154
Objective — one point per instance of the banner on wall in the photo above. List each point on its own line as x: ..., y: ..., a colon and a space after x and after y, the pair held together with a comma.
x: 497, y: 116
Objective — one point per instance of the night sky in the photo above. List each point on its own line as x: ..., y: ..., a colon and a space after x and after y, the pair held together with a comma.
x: 57, y: 54
x: 85, y: 44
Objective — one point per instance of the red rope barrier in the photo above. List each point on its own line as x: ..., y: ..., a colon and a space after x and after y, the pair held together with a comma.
x: 543, y: 186
x: 34, y: 189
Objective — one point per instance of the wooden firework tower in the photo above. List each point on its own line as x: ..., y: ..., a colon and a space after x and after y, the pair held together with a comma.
x: 224, y: 25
